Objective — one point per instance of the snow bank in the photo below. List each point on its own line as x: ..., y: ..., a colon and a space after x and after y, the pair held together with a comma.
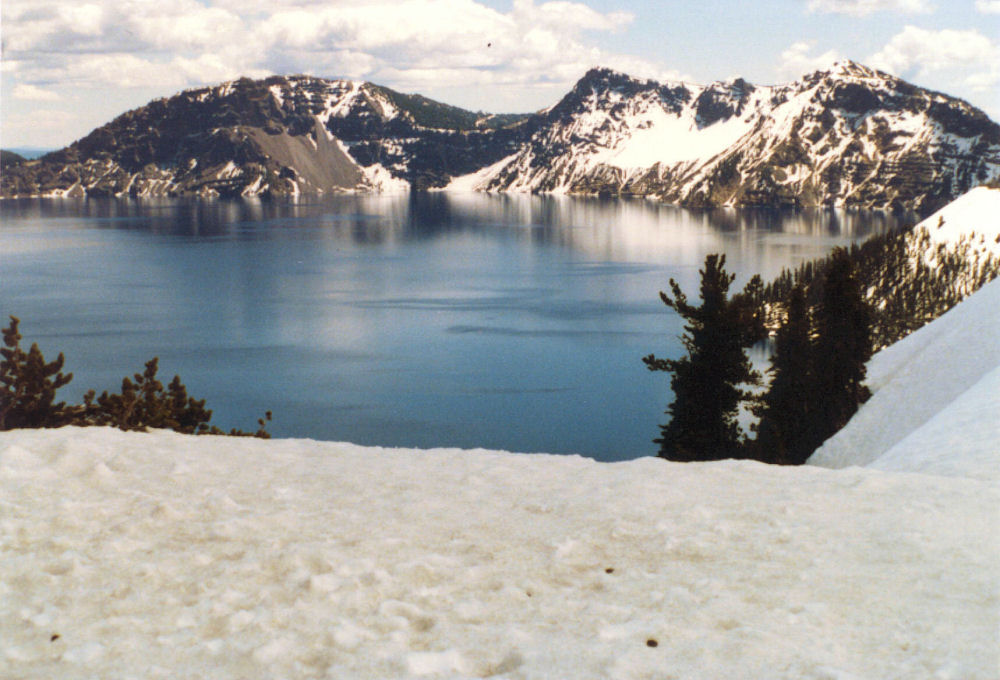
x: 163, y: 555
x: 936, y: 399
x: 962, y: 440
x: 665, y: 137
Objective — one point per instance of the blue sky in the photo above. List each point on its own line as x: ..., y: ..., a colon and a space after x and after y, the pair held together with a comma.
x: 69, y: 66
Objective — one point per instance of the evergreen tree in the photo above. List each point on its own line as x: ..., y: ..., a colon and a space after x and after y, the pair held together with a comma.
x: 754, y: 313
x: 843, y: 346
x: 27, y: 397
x: 707, y: 382
x: 28, y: 385
x: 143, y: 403
x: 785, y: 410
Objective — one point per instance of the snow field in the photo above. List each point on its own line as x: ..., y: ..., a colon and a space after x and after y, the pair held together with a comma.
x: 974, y: 212
x: 163, y: 555
x: 930, y: 390
x: 663, y: 137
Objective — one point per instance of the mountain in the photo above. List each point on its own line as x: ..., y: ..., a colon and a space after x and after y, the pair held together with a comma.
x: 280, y: 135
x: 9, y: 159
x: 848, y: 135
x: 845, y: 136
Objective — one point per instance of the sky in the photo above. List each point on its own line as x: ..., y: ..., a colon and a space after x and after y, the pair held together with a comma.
x: 69, y: 66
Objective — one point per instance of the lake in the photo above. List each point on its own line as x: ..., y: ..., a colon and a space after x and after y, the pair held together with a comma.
x: 422, y: 320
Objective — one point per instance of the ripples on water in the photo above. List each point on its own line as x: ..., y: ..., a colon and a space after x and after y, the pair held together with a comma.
x: 510, y: 322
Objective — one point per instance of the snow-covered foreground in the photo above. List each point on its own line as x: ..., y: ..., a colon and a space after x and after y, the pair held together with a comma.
x: 975, y: 215
x: 162, y: 555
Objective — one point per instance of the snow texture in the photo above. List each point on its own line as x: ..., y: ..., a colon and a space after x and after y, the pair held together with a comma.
x: 848, y: 136
x: 975, y: 214
x: 163, y: 555
x: 916, y: 382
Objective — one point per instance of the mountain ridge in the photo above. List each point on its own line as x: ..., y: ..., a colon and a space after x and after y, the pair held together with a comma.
x: 845, y: 136
x: 732, y: 143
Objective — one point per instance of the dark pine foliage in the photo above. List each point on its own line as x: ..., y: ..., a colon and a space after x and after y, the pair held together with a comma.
x: 29, y: 385
x: 908, y: 280
x: 860, y: 300
x: 752, y: 306
x: 144, y: 403
x: 784, y: 411
x: 843, y: 346
x: 818, y: 367
x: 708, y: 382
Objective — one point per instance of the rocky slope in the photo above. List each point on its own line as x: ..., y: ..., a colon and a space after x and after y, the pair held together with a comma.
x: 281, y: 135
x: 848, y: 135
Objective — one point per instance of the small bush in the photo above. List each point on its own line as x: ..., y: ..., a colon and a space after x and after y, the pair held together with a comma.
x: 29, y: 385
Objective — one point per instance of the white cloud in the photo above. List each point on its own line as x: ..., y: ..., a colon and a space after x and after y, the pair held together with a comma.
x: 33, y: 93
x: 573, y: 15
x: 465, y: 52
x: 797, y: 60
x: 988, y: 6
x: 946, y: 60
x: 921, y: 51
x: 132, y: 43
x: 45, y: 125
x: 860, y: 8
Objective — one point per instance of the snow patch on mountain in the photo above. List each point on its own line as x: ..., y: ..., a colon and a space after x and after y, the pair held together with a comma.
x: 479, y: 180
x: 662, y: 137
x: 381, y: 180
x: 973, y: 217
x: 847, y: 136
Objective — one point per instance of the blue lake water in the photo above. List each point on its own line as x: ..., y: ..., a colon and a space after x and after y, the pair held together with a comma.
x: 508, y: 322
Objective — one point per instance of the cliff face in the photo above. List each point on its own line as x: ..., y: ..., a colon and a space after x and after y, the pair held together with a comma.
x: 845, y: 136
x: 281, y: 135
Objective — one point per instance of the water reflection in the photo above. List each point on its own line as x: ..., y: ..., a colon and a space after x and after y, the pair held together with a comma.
x: 429, y: 319
x: 366, y: 218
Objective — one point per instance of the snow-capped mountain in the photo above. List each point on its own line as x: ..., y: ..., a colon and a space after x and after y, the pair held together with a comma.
x: 848, y: 135
x: 280, y: 135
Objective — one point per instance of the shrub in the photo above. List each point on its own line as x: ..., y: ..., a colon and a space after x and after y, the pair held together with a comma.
x: 29, y: 386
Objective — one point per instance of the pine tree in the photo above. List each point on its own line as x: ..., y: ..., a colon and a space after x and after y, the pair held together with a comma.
x: 753, y: 310
x: 28, y: 385
x: 785, y: 410
x: 707, y: 382
x: 843, y: 346
x: 143, y: 403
